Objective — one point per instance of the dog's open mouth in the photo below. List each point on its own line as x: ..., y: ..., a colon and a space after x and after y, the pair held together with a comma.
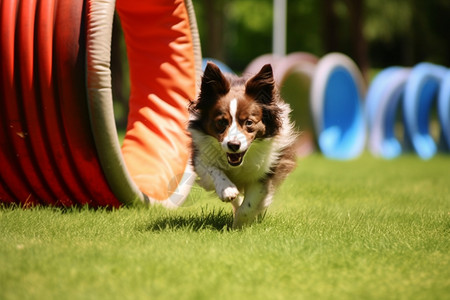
x: 235, y: 159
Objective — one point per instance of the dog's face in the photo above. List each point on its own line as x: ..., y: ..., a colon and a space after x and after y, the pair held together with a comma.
x: 237, y: 111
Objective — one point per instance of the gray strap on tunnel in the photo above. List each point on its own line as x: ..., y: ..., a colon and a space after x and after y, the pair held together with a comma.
x: 99, y: 33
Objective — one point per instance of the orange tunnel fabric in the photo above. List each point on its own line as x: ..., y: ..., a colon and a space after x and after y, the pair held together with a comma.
x: 49, y: 149
x: 162, y: 70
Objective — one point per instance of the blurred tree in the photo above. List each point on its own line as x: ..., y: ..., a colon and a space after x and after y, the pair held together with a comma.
x: 234, y: 32
x: 388, y: 28
x: 356, y: 11
x: 408, y: 31
x: 304, y: 27
x: 215, y: 12
x: 372, y: 32
x: 332, y: 23
x: 329, y: 26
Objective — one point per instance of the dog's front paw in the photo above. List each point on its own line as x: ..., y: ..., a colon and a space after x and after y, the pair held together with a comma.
x: 228, y: 194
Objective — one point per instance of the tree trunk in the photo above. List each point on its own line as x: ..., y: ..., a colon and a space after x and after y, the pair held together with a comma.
x: 329, y: 26
x: 358, y: 40
x: 215, y: 18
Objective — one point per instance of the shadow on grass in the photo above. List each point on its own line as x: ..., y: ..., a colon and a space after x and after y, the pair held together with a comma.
x: 212, y: 220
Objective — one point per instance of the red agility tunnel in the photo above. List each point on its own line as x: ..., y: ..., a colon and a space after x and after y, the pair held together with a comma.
x: 58, y: 140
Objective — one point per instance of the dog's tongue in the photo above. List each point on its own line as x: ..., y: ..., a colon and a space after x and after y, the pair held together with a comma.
x: 235, y: 159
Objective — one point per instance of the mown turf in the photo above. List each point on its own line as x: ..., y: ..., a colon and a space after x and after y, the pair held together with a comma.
x: 365, y: 229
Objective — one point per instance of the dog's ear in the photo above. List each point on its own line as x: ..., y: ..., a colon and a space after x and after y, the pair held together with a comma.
x: 262, y: 85
x: 214, y: 84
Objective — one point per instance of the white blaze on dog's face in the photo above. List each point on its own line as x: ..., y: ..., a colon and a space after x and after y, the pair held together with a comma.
x: 235, y: 140
x: 232, y: 110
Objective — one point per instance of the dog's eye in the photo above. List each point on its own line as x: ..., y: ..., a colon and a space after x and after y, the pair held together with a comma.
x: 221, y: 125
x: 249, y: 125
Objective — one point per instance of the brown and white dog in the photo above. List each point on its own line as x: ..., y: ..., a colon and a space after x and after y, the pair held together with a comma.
x: 243, y: 141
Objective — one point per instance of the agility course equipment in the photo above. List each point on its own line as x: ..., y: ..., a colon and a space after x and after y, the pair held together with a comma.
x: 412, y: 92
x: 337, y: 93
x: 443, y: 106
x: 421, y: 89
x: 343, y: 121
x: 58, y: 138
x: 382, y: 104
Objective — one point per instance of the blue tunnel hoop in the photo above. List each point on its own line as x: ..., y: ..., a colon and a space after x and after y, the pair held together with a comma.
x: 443, y: 104
x: 336, y: 93
x: 382, y: 103
x: 420, y: 91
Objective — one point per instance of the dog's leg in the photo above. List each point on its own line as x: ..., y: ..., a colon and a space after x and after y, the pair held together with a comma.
x: 236, y: 203
x: 212, y: 178
x: 257, y: 197
x: 225, y: 189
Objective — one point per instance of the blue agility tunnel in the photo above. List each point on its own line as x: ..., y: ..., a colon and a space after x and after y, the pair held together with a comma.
x: 421, y: 90
x: 443, y: 106
x: 337, y: 91
x: 382, y: 104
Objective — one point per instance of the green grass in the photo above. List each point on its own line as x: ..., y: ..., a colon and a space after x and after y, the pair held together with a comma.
x: 364, y: 229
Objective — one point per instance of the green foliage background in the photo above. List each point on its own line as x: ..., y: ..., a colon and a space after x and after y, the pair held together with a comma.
x: 397, y: 32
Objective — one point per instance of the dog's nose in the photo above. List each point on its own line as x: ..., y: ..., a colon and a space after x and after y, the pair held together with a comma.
x: 234, y: 145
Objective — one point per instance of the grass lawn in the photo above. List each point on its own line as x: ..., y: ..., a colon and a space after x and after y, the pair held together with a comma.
x: 364, y: 229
